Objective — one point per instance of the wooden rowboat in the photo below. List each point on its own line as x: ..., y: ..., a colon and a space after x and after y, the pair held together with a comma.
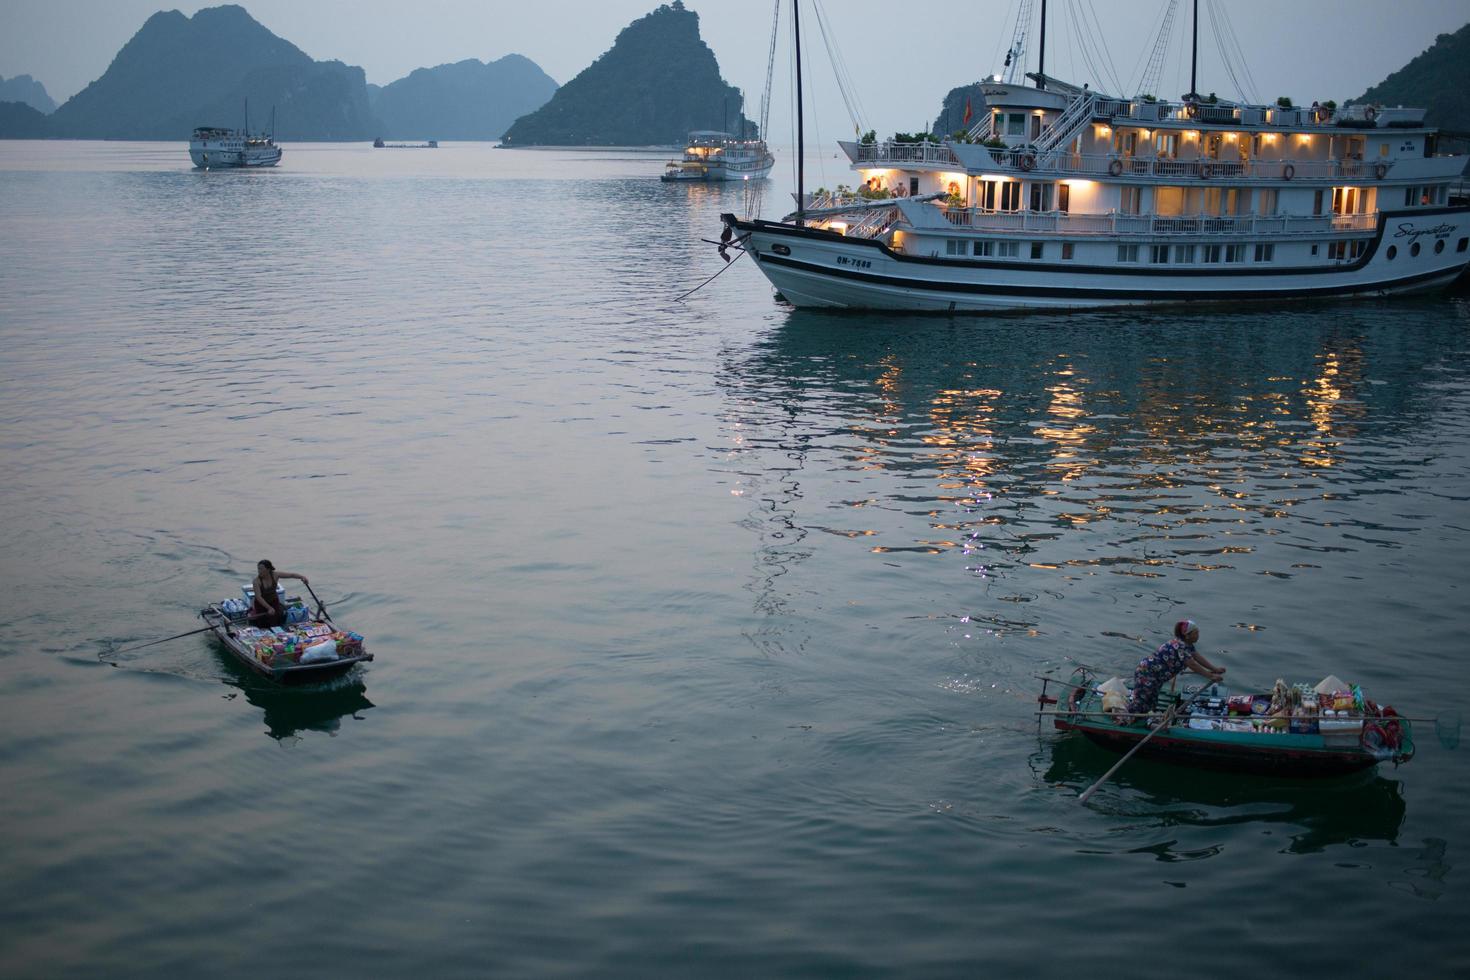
x: 1207, y: 732
x: 282, y: 654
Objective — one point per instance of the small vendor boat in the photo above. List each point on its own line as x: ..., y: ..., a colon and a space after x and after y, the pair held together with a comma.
x: 308, y: 649
x: 1294, y: 730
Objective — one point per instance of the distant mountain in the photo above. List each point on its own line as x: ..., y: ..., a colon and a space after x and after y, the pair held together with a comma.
x: 1438, y: 80
x: 952, y: 110
x: 24, y: 88
x: 179, y: 72
x: 19, y: 121
x: 468, y: 100
x: 657, y: 82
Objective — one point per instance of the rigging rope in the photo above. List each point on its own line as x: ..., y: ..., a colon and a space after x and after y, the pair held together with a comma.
x: 1245, y: 67
x: 1149, y: 83
x: 845, y: 86
x: 770, y: 70
x: 1104, y: 56
x: 1225, y: 53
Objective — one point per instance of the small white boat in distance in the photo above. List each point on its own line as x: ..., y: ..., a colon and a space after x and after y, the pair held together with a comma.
x: 212, y: 147
x: 714, y: 155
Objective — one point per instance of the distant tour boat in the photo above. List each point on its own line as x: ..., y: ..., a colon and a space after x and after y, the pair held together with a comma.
x: 213, y: 147
x: 427, y: 145
x: 714, y: 155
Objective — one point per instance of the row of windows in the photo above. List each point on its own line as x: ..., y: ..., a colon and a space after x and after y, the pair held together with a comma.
x: 1205, y: 254
x: 1213, y: 254
x: 1414, y: 249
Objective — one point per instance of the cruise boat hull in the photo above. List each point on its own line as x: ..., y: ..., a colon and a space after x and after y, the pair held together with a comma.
x: 817, y: 268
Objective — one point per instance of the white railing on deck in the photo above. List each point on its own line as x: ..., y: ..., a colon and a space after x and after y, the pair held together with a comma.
x: 890, y: 152
x: 1157, y: 226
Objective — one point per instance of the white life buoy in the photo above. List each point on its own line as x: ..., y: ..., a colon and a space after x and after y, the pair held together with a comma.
x: 1028, y: 161
x: 1116, y: 168
x: 1288, y: 172
x: 1380, y: 170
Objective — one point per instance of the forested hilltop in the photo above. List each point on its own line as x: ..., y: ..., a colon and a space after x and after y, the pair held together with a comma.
x: 179, y: 72
x: 658, y: 82
x: 468, y: 100
x: 1438, y: 80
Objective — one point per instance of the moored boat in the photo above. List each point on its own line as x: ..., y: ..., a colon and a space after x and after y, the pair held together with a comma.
x: 1062, y: 197
x: 714, y: 155
x: 305, y: 650
x: 1306, y: 734
x: 212, y: 147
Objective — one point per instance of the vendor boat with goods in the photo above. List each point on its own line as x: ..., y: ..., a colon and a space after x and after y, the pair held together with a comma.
x: 307, y: 649
x: 1329, y: 729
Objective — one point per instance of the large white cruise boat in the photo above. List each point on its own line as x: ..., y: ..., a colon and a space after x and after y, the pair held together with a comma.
x: 1063, y: 197
x: 713, y: 155
x: 212, y: 147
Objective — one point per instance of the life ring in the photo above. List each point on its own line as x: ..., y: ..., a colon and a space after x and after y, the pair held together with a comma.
x: 1028, y: 161
x: 1206, y: 171
x: 1380, y: 170
x: 1370, y: 113
x: 1288, y: 172
x: 1116, y: 168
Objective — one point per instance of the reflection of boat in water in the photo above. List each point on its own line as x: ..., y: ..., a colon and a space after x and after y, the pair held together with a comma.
x: 1327, y: 812
x: 713, y: 155
x: 426, y: 145
x: 320, y: 709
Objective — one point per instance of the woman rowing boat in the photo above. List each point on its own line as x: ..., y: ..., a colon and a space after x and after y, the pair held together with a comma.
x: 267, y: 610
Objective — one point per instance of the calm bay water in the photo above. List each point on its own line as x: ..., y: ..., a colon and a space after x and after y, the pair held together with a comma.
x: 707, y: 631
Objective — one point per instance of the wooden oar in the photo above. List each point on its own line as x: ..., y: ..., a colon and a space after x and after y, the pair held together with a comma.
x: 321, y: 607
x: 154, y: 643
x: 1168, y: 717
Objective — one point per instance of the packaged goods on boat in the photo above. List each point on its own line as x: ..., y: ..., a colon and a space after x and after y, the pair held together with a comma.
x: 305, y: 648
x: 1295, y: 729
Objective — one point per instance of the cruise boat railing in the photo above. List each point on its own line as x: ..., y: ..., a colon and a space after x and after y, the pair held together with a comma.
x: 889, y: 152
x: 1157, y: 226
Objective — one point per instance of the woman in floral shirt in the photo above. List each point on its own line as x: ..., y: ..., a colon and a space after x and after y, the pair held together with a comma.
x: 1166, y: 663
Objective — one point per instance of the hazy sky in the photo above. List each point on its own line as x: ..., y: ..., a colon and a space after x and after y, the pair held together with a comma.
x: 902, y: 55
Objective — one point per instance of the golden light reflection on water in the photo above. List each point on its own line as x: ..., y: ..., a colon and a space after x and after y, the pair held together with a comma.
x: 1216, y: 446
